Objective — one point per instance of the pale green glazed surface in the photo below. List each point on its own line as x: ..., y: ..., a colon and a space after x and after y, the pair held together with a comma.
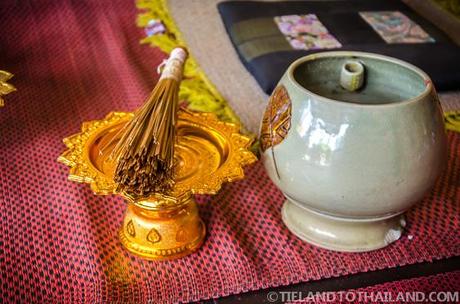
x: 339, y: 234
x: 370, y: 158
x: 385, y: 82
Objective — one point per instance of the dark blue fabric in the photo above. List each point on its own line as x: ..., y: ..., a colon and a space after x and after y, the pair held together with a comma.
x: 440, y: 60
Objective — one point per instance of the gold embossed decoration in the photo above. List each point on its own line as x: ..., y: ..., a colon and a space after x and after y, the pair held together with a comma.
x: 153, y: 236
x: 130, y: 229
x: 181, y: 235
x: 277, y: 118
x: 208, y: 152
x: 5, y: 88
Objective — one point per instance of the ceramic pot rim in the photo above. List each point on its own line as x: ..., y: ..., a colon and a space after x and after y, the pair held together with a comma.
x: 425, y: 78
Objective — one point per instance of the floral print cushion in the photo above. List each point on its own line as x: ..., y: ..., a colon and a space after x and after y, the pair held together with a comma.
x: 269, y: 36
x: 306, y: 32
x: 395, y: 27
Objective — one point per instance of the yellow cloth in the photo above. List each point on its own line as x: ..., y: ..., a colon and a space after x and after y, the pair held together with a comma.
x: 199, y: 92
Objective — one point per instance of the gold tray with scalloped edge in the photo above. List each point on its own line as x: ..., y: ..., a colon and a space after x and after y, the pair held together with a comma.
x: 208, y: 153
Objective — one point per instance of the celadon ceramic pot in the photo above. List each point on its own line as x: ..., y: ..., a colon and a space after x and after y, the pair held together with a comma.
x: 353, y: 140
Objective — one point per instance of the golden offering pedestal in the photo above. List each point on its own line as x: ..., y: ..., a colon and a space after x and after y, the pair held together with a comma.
x: 208, y: 152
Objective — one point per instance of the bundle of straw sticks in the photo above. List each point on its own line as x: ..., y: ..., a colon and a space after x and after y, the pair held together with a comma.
x: 145, y: 153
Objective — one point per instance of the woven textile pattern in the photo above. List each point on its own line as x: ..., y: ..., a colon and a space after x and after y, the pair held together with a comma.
x: 430, y: 289
x: 78, y: 60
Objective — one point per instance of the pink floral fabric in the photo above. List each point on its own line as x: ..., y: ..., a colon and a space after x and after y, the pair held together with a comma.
x: 395, y: 27
x: 154, y: 27
x: 306, y: 32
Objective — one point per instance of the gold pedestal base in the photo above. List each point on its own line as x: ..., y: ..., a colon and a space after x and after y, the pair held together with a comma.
x: 208, y: 152
x: 157, y: 234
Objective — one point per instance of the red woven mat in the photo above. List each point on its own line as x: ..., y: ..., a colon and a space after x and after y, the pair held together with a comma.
x: 441, y: 288
x: 77, y: 60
